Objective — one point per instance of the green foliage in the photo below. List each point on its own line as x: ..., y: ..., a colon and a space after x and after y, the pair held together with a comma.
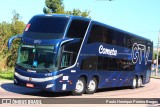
x: 54, y: 6
x: 57, y: 6
x: 155, y: 55
x: 8, y: 57
x: 78, y: 12
x: 6, y: 75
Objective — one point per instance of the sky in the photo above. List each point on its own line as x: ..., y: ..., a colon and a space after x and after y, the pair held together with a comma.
x: 141, y: 17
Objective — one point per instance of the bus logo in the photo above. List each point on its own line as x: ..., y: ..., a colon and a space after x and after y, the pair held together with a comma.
x: 107, y: 51
x: 138, y: 50
x: 30, y: 79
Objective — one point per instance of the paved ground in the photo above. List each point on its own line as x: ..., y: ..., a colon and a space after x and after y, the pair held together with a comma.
x: 151, y: 90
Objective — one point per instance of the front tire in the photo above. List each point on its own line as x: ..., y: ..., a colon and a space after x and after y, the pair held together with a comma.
x: 92, y: 86
x: 80, y: 87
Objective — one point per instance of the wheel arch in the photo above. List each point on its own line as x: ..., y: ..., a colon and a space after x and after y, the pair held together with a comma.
x: 141, y: 76
x: 85, y: 77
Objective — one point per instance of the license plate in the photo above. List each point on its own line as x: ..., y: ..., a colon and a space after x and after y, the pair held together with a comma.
x: 29, y: 85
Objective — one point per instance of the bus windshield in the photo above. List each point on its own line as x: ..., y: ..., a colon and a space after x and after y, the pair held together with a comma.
x: 37, y: 57
x: 42, y: 27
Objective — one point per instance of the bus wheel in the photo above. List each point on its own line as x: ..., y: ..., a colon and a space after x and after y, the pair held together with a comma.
x: 139, y: 82
x: 92, y: 86
x: 80, y: 87
x: 134, y: 83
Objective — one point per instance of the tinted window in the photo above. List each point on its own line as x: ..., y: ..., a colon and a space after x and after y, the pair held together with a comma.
x: 113, y: 66
x: 107, y: 35
x: 48, y: 24
x: 120, y: 39
x: 125, y: 65
x: 89, y: 63
x: 111, y: 37
x: 96, y: 34
x: 100, y: 63
x: 102, y: 34
x: 77, y: 29
x: 43, y: 27
x: 129, y: 41
x: 107, y: 64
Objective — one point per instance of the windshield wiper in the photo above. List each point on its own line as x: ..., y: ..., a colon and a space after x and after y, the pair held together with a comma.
x: 48, y: 70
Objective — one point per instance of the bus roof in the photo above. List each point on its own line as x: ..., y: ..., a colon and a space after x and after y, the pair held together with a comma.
x: 65, y: 15
x: 88, y: 19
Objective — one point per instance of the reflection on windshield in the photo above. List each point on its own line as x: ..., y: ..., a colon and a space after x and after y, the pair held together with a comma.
x: 36, y: 57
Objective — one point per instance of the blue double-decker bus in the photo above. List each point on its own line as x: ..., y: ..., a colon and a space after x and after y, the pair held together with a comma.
x: 70, y: 53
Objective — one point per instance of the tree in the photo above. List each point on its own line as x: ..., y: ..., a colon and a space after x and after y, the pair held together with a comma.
x: 8, y: 57
x: 53, y: 6
x: 57, y: 6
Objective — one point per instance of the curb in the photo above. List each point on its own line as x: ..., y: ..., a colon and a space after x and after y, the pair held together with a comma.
x: 155, y: 77
x: 5, y: 81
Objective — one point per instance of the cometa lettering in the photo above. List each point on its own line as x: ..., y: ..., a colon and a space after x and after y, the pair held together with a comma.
x: 107, y: 51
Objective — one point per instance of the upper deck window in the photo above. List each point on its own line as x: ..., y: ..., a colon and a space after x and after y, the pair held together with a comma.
x: 43, y: 27
x: 96, y: 34
x: 101, y: 34
x: 77, y: 29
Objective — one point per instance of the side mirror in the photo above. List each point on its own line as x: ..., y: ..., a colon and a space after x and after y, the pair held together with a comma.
x: 11, y: 39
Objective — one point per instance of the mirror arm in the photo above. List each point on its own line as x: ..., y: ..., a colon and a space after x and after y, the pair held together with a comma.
x: 11, y: 39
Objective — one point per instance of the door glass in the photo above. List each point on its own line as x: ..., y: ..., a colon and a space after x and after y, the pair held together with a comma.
x: 66, y: 59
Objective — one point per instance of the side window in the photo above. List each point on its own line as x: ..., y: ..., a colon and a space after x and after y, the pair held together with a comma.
x: 112, y: 64
x: 120, y: 39
x: 100, y: 63
x: 111, y: 38
x: 89, y: 63
x: 95, y: 63
x: 96, y: 34
x: 105, y: 35
x: 66, y: 59
x: 125, y: 65
x: 105, y: 64
x: 129, y: 41
x: 77, y: 29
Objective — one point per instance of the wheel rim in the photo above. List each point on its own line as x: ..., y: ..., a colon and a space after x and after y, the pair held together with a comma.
x: 79, y: 86
x: 139, y: 82
x: 92, y: 85
x: 134, y: 82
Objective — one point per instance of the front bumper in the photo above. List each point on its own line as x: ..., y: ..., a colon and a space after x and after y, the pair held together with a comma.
x: 47, y: 84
